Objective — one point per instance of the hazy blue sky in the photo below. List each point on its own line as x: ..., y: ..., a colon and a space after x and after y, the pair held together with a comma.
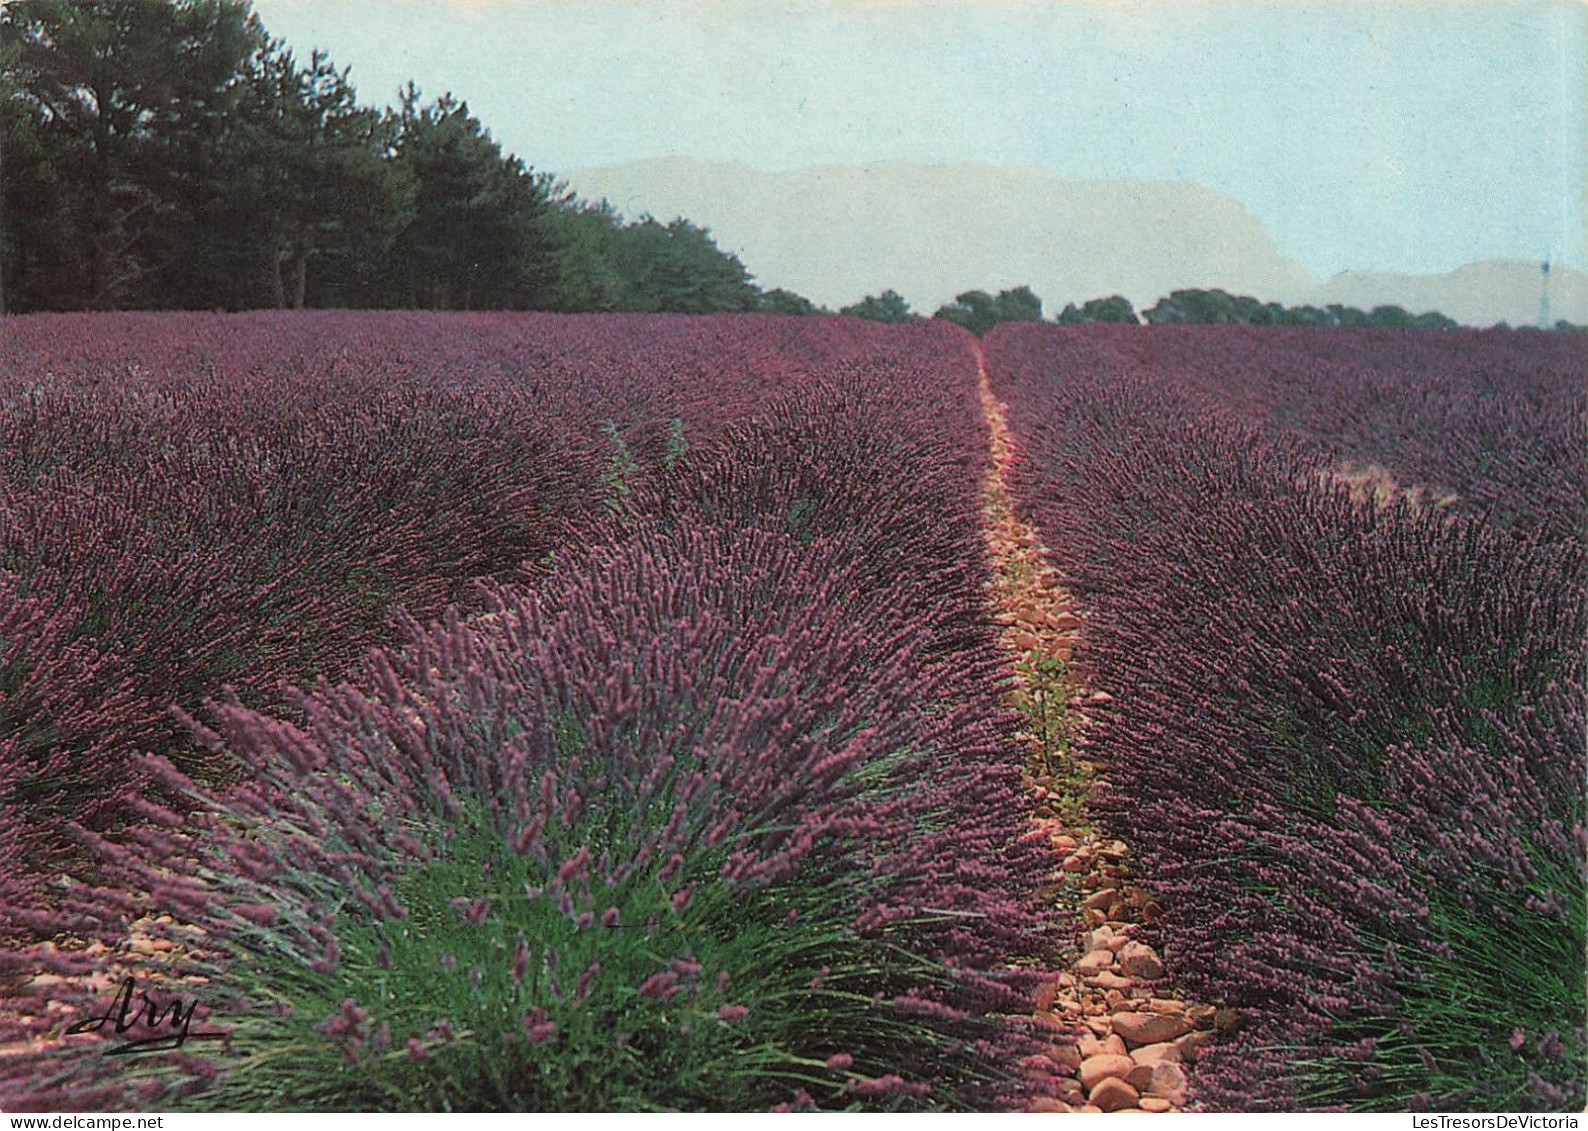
x: 1384, y: 135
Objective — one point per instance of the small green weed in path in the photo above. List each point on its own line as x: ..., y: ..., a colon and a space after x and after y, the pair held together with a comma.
x: 1046, y: 685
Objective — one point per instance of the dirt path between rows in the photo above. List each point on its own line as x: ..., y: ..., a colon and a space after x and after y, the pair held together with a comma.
x: 1138, y: 1038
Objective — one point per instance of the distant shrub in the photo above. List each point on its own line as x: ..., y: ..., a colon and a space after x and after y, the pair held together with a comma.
x: 889, y: 306
x: 978, y: 311
x: 1114, y: 308
x: 780, y: 301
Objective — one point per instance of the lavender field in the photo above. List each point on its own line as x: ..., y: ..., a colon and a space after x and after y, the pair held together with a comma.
x: 531, y: 712
x: 1347, y: 729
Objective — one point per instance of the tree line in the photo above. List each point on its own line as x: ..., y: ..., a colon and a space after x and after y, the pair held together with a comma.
x: 979, y: 311
x: 1221, y: 308
x: 170, y: 154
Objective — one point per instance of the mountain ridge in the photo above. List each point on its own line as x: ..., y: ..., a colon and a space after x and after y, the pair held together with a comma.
x: 930, y: 230
x: 837, y: 232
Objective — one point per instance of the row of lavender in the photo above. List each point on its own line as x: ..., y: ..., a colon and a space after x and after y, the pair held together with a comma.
x: 1350, y: 734
x: 193, y: 501
x: 710, y: 809
x: 1493, y: 422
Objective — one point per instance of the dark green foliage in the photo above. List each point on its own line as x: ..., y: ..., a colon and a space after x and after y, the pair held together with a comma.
x: 168, y: 154
x: 1219, y: 307
x: 644, y: 267
x: 318, y: 191
x: 589, y: 269
x: 34, y: 232
x: 1018, y: 304
x: 1114, y: 308
x: 889, y: 306
x: 779, y: 301
x: 1307, y: 316
x: 1399, y: 318
x: 979, y: 311
x: 972, y: 310
x: 1433, y: 320
x: 479, y: 236
x: 113, y: 105
x: 677, y: 268
x: 1213, y: 306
